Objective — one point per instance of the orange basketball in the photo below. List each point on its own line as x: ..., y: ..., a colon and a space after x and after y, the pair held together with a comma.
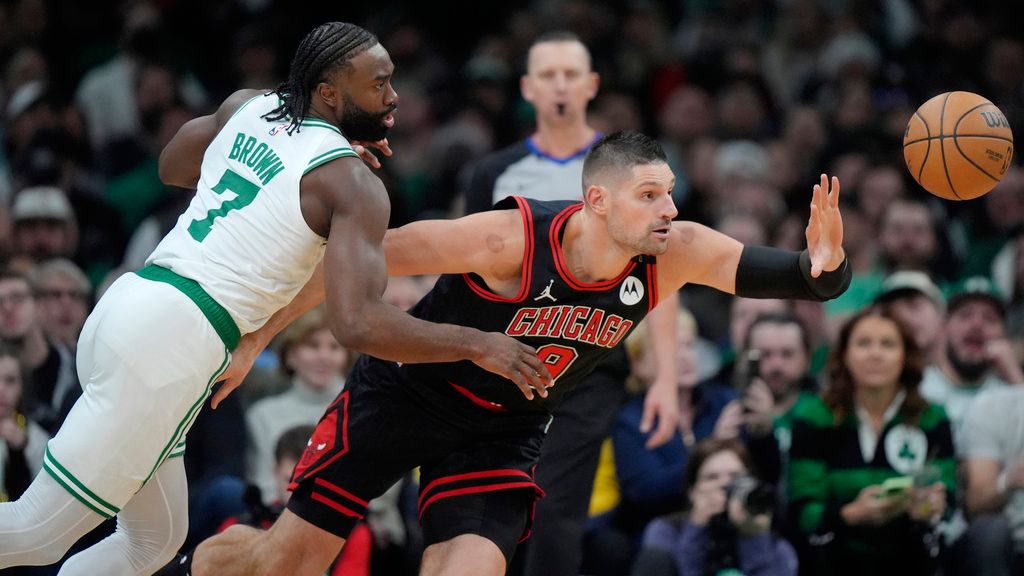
x: 958, y: 145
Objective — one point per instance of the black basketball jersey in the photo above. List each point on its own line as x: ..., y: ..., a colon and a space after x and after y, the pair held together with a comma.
x: 573, y: 325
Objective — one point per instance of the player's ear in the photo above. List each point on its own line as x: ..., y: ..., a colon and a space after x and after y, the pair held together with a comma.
x: 596, y: 198
x: 327, y: 93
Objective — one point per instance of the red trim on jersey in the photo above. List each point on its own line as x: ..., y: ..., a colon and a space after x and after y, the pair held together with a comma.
x: 524, y: 283
x: 485, y: 404
x: 473, y: 490
x: 563, y: 270
x: 470, y: 476
x: 331, y: 503
x: 652, y: 286
x: 340, y: 490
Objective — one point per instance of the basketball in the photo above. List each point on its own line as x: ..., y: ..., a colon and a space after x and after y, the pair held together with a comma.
x: 958, y: 145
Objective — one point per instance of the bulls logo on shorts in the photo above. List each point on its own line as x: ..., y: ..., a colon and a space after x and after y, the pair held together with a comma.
x: 321, y: 448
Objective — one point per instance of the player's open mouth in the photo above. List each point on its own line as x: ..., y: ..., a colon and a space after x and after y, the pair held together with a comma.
x: 661, y: 232
x: 389, y: 121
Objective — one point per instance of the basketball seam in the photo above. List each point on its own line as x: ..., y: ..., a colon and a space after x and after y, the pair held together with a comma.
x: 927, y: 150
x: 940, y: 137
x: 961, y: 150
x: 942, y: 118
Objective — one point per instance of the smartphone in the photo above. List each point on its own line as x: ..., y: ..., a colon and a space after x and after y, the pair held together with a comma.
x: 753, y: 367
x: 895, y: 486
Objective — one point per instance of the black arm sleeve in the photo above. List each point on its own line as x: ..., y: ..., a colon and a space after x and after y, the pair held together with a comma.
x: 765, y: 272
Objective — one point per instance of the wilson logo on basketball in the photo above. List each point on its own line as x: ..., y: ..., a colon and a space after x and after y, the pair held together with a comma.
x: 994, y: 120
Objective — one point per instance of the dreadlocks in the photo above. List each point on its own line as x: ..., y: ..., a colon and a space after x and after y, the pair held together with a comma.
x: 328, y: 46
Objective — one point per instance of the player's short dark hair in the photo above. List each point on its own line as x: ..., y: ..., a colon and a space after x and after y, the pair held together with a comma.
x: 325, y: 48
x: 621, y: 151
x: 293, y: 442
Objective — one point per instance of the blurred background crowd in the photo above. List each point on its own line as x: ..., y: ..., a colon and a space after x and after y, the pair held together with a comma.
x: 751, y: 99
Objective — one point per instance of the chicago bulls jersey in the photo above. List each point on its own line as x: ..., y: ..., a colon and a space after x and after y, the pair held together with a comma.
x: 572, y: 324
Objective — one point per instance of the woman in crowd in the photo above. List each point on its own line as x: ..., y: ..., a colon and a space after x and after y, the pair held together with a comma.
x: 871, y: 463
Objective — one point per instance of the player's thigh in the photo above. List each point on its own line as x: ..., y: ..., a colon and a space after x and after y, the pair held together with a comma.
x: 369, y: 438
x: 486, y: 488
x: 294, y: 546
x: 148, y: 359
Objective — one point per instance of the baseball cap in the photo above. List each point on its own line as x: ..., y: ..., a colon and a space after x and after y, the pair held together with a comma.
x: 42, y: 202
x: 907, y: 282
x: 976, y: 288
x: 24, y: 98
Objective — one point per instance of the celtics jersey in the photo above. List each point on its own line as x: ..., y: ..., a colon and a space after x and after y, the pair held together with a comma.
x: 572, y: 324
x: 243, y: 237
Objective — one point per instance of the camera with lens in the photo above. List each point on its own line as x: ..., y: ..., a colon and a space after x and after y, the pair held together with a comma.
x: 754, y: 496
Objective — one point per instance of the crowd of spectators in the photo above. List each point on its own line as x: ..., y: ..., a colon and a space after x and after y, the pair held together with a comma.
x: 914, y: 372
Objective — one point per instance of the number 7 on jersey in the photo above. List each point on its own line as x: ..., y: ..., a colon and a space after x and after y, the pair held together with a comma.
x: 245, y: 192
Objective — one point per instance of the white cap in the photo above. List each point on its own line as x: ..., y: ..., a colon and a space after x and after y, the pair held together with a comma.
x: 42, y: 202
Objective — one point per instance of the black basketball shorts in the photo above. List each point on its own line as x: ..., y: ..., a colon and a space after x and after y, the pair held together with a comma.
x: 476, y: 467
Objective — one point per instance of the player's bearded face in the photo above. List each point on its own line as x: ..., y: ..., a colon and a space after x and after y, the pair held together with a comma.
x: 359, y: 124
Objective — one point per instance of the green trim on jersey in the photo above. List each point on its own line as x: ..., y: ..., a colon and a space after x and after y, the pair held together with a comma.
x: 178, y: 438
x: 222, y: 322
x: 242, y: 107
x: 179, y: 450
x: 328, y: 156
x: 318, y: 123
x: 76, y: 488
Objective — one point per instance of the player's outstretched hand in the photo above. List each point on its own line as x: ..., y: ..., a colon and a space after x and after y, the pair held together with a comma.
x: 514, y: 360
x: 363, y: 149
x: 242, y: 359
x: 825, y: 228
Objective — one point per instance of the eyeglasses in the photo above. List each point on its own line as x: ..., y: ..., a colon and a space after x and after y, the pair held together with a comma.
x: 14, y: 298
x: 76, y: 295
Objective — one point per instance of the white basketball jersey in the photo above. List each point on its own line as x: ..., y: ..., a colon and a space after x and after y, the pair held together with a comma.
x: 243, y: 237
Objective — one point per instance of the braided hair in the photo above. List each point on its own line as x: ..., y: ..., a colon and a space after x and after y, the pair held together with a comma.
x: 326, y: 47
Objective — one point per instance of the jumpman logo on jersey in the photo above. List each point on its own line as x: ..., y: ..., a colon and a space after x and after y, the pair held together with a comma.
x: 547, y: 292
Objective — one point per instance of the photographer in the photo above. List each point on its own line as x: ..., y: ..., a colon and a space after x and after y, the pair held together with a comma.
x: 726, y: 525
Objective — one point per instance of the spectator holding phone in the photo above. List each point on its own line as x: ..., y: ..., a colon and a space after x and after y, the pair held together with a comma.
x: 870, y: 426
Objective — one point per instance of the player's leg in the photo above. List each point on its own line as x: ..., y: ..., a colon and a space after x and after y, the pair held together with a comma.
x: 566, y: 471
x: 150, y: 529
x: 41, y: 526
x: 468, y: 555
x: 474, y: 534
x: 291, y: 546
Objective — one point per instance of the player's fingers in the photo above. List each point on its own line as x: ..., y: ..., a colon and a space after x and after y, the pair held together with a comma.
x: 384, y: 147
x: 225, y: 390
x: 538, y: 367
x: 533, y: 380
x: 520, y: 383
x: 647, y: 419
x: 662, y: 435
x: 823, y: 187
x: 834, y: 197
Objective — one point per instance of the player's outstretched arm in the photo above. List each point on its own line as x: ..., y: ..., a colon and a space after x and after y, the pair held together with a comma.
x: 182, y: 158
x: 490, y: 244
x: 355, y: 275
x: 701, y: 255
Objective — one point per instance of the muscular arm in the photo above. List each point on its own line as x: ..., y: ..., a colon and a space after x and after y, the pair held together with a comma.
x: 181, y: 159
x: 355, y: 273
x: 490, y: 244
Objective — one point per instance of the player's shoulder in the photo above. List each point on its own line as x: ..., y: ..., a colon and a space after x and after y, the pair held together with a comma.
x: 236, y: 101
